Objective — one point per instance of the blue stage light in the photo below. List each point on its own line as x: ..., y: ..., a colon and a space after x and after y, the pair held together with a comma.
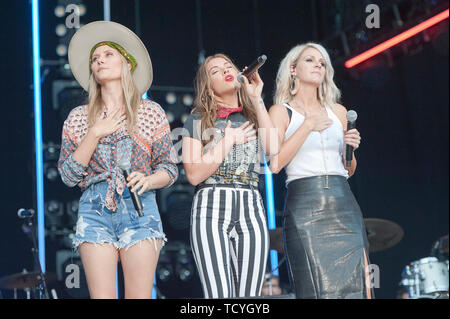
x: 271, y: 214
x: 38, y: 132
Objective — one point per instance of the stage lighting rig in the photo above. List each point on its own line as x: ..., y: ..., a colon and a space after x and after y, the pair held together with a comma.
x: 396, y: 18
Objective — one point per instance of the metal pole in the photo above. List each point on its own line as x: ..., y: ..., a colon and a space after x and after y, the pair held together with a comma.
x: 107, y: 10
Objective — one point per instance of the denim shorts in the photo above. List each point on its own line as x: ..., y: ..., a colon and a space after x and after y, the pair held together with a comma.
x: 122, y: 228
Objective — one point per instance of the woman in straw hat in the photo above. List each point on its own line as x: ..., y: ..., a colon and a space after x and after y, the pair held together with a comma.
x: 116, y: 128
x: 325, y: 236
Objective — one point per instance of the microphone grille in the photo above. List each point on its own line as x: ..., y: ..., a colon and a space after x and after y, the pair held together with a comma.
x: 124, y: 164
x: 352, y: 116
x: 262, y: 58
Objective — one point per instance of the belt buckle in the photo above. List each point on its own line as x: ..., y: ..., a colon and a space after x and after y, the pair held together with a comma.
x: 326, y: 182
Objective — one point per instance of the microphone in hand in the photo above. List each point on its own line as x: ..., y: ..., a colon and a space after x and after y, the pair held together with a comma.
x: 252, y: 67
x: 125, y: 166
x: 351, y: 124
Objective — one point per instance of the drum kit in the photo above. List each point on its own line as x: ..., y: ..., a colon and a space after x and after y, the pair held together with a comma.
x: 426, y: 278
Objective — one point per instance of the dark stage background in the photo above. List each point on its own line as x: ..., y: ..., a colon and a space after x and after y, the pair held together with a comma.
x: 402, y: 103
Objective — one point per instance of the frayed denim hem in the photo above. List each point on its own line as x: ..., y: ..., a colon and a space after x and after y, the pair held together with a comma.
x: 76, y: 243
x: 139, y: 241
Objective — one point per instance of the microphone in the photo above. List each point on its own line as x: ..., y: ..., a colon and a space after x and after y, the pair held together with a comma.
x: 351, y: 124
x: 125, y: 166
x: 25, y: 213
x: 252, y: 67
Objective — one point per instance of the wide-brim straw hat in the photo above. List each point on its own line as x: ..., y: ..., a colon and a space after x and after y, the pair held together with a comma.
x: 95, y: 32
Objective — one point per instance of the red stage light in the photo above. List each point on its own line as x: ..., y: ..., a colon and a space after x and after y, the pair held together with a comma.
x: 397, y: 39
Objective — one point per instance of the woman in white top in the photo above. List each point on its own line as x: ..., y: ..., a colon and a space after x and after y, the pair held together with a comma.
x: 324, y: 233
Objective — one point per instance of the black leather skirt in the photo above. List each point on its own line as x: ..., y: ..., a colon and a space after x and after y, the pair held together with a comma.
x: 325, y: 239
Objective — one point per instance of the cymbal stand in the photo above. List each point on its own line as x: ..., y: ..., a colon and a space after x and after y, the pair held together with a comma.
x: 268, y: 276
x: 29, y: 229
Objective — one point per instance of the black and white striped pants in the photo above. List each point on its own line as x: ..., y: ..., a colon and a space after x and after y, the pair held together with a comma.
x: 230, y: 241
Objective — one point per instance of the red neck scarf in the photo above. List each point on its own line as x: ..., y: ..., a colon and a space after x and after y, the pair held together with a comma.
x: 224, y: 112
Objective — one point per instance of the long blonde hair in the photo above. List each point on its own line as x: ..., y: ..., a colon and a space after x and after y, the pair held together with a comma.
x: 328, y: 93
x: 206, y: 105
x: 130, y: 93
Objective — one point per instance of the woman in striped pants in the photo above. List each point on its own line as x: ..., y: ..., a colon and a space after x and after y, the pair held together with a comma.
x: 222, y: 154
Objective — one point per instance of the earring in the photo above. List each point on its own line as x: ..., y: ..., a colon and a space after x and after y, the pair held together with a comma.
x: 293, y: 85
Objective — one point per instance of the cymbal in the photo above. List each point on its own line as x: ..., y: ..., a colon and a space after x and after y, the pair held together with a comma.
x: 382, y: 234
x: 24, y: 280
x: 276, y: 239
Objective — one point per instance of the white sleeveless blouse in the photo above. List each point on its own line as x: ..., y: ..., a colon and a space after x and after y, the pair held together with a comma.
x: 321, y: 153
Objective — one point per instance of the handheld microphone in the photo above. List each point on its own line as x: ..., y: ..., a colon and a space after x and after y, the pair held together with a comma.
x: 25, y: 213
x: 351, y: 124
x: 125, y: 166
x: 252, y: 67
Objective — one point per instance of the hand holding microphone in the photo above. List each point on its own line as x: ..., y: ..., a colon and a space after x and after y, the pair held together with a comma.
x: 125, y: 166
x: 252, y: 68
x: 251, y: 78
x: 352, y: 139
